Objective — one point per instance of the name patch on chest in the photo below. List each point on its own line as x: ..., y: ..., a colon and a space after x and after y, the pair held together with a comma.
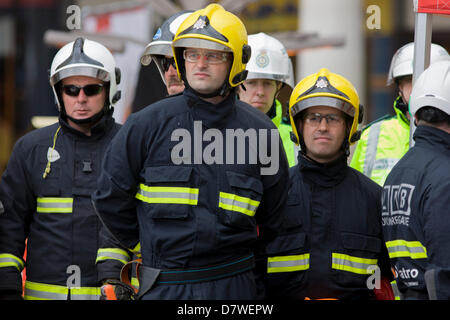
x: 396, y: 204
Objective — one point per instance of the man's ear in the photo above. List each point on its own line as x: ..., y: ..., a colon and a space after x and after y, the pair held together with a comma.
x: 416, y: 119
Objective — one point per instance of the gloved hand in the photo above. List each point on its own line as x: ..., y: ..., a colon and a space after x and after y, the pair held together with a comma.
x: 385, y: 291
x: 116, y: 290
x: 10, y: 295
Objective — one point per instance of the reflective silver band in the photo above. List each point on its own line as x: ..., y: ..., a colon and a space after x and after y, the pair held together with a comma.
x: 342, y: 105
x: 80, y: 71
x: 200, y: 43
x: 371, y: 149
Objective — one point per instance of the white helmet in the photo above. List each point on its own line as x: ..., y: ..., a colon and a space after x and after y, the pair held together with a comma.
x: 432, y: 88
x: 84, y: 57
x: 161, y: 44
x: 269, y: 60
x: 402, y: 61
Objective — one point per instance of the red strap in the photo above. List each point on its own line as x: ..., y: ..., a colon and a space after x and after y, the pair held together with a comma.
x: 109, y: 292
x: 125, y: 273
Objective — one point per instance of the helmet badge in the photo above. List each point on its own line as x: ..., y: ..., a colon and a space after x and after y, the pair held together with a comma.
x: 262, y: 60
x: 199, y: 24
x: 321, y: 83
x: 157, y: 34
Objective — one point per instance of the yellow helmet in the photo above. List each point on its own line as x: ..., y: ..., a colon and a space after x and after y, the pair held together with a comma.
x: 214, y: 28
x: 325, y: 88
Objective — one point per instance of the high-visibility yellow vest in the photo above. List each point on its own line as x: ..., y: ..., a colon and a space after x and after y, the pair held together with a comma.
x: 382, y: 144
x: 285, y: 134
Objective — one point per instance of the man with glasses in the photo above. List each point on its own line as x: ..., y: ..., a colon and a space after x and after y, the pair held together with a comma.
x: 202, y: 225
x: 46, y: 188
x: 331, y: 244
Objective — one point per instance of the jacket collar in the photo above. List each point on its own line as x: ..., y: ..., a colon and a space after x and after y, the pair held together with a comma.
x: 402, y: 119
x: 325, y: 175
x: 432, y: 138
x: 97, y: 129
x: 211, y: 115
x: 275, y: 112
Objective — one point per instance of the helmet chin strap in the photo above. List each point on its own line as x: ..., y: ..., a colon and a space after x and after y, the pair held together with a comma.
x: 91, y: 120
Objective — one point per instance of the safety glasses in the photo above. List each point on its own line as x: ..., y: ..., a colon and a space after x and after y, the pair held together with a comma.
x: 212, y: 57
x: 166, y: 63
x: 89, y: 89
x: 315, y: 119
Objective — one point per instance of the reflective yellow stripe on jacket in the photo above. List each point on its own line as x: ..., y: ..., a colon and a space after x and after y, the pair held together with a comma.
x: 288, y: 263
x: 54, y: 205
x: 43, y: 291
x: 10, y: 260
x: 403, y: 248
x: 348, y: 263
x: 136, y: 250
x: 112, y: 253
x: 232, y: 202
x: 168, y: 195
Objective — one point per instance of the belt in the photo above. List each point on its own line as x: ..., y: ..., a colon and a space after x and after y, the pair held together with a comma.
x: 148, y: 276
x: 208, y: 273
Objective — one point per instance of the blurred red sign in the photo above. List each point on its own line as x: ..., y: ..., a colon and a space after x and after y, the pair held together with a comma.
x: 434, y: 6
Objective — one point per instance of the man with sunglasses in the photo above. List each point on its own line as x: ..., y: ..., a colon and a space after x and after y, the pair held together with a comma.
x: 160, y: 51
x: 202, y: 223
x: 331, y: 244
x: 46, y: 188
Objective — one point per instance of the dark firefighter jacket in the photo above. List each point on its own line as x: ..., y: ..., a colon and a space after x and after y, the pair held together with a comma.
x: 55, y: 214
x: 175, y: 179
x: 331, y: 237
x: 416, y: 212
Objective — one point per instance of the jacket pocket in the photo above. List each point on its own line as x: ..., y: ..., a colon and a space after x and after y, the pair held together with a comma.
x: 51, y: 201
x: 287, y: 265
x: 239, y: 200
x: 287, y: 244
x: 356, y: 260
x: 168, y: 192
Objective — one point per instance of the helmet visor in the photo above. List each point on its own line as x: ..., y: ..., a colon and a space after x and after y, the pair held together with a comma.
x: 270, y: 76
x: 342, y: 105
x: 80, y: 71
x: 200, y: 43
x: 163, y: 48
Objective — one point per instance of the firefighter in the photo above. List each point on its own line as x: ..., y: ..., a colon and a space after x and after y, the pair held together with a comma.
x: 416, y: 194
x: 47, y: 185
x: 269, y: 69
x: 111, y: 257
x: 386, y: 140
x: 331, y: 241
x: 185, y: 177
x: 160, y: 51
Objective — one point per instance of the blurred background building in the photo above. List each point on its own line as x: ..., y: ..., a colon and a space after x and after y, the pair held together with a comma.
x: 355, y: 38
